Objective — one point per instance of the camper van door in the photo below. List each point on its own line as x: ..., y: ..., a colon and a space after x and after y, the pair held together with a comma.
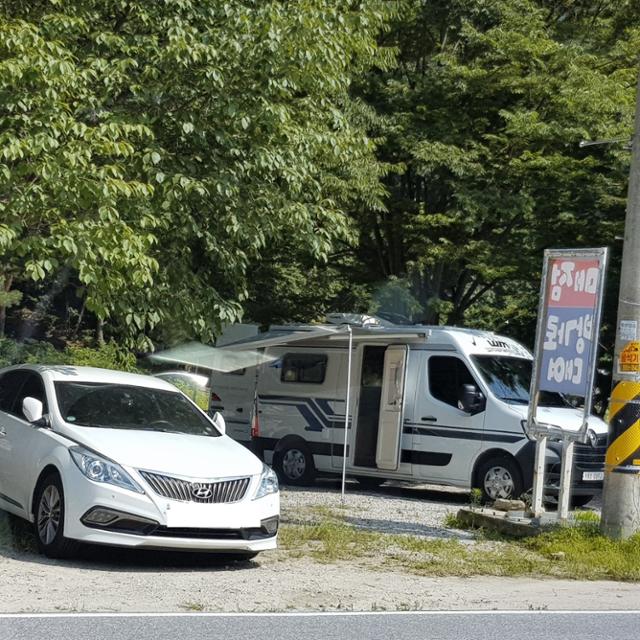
x: 391, y: 407
x: 446, y: 438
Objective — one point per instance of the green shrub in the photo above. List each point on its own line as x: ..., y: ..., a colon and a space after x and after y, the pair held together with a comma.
x: 12, y: 352
x: 107, y: 356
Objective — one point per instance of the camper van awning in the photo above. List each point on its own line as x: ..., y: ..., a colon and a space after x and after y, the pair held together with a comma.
x: 370, y: 335
x: 217, y: 359
x: 278, y: 337
x: 339, y: 332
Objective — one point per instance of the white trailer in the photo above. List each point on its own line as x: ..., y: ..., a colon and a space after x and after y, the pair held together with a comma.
x: 442, y: 405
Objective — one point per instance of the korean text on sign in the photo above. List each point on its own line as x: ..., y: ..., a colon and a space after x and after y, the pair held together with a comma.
x: 568, y: 345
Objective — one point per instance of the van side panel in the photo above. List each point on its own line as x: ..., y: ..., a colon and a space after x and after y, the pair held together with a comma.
x: 311, y: 410
x: 446, y: 440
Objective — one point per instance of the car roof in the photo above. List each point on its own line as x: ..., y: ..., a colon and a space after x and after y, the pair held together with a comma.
x: 63, y: 372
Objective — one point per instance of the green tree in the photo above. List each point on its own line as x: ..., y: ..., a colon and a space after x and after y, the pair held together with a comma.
x: 68, y: 195
x: 157, y: 148
x: 481, y: 119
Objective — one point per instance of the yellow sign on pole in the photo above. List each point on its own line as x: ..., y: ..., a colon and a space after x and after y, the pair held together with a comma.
x: 629, y: 361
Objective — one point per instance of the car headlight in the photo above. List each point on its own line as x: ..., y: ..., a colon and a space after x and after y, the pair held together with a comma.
x: 268, y: 483
x: 100, y: 469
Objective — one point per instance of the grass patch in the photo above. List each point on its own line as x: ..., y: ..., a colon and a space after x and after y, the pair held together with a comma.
x: 574, y: 552
x: 584, y: 553
x: 329, y: 540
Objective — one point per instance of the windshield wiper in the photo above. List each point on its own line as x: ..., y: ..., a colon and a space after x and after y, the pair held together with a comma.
x: 509, y: 399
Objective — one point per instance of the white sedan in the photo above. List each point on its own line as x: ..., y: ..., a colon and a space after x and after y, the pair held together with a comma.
x: 116, y: 458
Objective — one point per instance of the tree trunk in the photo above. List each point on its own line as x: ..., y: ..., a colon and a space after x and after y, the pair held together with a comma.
x: 7, y: 281
x: 100, y: 332
x: 74, y: 335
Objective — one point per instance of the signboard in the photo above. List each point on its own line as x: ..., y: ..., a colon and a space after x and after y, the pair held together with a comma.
x: 629, y: 361
x: 568, y: 323
x: 565, y: 355
x: 572, y: 301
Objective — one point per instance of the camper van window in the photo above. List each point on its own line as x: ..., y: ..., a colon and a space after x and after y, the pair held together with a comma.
x: 446, y: 377
x: 309, y: 368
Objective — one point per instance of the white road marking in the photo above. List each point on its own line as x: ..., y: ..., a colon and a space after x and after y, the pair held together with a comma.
x: 308, y: 614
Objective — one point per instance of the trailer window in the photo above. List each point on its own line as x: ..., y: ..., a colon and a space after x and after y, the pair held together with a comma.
x: 446, y: 377
x: 309, y: 368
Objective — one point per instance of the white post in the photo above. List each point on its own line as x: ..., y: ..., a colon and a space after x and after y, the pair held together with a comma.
x: 537, y: 506
x: 565, y: 480
x: 346, y: 414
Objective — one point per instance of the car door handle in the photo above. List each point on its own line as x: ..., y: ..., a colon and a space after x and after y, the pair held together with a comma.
x: 429, y: 418
x: 239, y: 409
x: 3, y: 432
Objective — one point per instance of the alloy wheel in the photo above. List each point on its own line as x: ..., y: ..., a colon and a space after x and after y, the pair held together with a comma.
x: 49, y: 511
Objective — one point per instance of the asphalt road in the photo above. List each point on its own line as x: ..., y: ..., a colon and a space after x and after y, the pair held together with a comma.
x: 526, y: 625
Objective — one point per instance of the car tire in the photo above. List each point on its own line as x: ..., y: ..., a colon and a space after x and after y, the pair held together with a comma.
x: 294, y: 464
x: 581, y: 501
x: 499, y: 477
x: 369, y: 482
x: 48, y: 512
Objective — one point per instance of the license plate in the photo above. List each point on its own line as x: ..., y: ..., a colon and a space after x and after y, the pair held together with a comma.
x: 593, y: 475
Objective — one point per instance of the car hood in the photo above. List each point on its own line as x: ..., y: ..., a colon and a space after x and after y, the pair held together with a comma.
x: 566, y: 417
x: 202, y: 457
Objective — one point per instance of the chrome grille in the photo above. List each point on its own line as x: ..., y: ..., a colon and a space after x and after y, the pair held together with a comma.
x: 588, y: 458
x: 223, y: 491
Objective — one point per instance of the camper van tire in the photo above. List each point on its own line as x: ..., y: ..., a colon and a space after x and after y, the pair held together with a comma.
x: 293, y: 462
x: 369, y: 482
x: 499, y: 477
x: 581, y: 501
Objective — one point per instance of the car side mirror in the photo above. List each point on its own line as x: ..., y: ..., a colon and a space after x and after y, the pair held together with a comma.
x: 472, y: 400
x: 218, y: 420
x: 32, y: 409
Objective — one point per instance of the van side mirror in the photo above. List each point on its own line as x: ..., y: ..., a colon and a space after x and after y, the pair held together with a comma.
x: 218, y: 420
x: 472, y: 400
x: 32, y: 409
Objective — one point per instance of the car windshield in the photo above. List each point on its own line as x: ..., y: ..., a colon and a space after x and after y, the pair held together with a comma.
x: 510, y: 379
x: 117, y: 406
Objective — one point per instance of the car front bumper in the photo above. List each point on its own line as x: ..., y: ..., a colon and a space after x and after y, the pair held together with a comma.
x: 168, y: 524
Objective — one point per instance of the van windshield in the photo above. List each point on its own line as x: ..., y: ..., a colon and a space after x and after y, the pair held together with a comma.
x: 510, y: 379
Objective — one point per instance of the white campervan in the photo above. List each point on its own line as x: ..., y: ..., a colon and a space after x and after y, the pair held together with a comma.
x: 442, y: 405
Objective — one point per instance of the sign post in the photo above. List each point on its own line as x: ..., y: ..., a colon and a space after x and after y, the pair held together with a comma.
x: 565, y: 360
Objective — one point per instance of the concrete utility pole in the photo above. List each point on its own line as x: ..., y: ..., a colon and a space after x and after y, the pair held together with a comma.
x: 621, y: 500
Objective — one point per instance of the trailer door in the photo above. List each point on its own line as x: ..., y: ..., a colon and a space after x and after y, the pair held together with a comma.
x: 391, y: 407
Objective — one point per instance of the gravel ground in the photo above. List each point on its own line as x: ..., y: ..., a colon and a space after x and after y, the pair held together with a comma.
x: 119, y: 580
x: 418, y: 510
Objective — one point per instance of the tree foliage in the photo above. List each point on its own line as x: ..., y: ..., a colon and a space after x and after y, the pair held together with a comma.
x: 155, y: 149
x: 482, y: 118
x: 166, y: 167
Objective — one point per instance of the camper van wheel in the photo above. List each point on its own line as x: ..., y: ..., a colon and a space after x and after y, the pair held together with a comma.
x: 581, y: 501
x: 294, y: 464
x: 499, y: 478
